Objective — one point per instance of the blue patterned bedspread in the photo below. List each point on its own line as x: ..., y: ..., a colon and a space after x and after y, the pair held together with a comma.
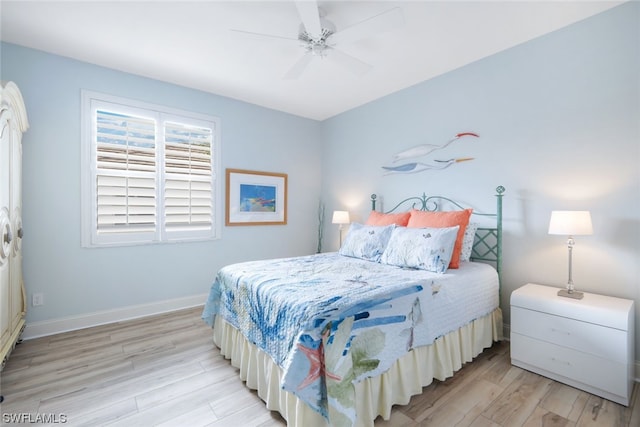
x: 329, y: 321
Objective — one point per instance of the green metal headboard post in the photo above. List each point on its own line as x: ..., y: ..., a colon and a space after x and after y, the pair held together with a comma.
x: 499, y: 190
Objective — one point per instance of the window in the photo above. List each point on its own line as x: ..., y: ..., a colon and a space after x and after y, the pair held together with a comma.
x: 149, y: 173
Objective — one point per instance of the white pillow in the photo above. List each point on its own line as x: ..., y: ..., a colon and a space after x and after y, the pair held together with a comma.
x: 423, y: 248
x: 467, y: 241
x: 366, y: 241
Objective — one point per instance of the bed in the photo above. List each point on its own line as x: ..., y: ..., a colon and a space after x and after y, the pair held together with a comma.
x: 336, y: 339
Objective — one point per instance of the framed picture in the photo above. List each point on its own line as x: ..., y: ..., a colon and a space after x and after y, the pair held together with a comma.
x: 256, y: 198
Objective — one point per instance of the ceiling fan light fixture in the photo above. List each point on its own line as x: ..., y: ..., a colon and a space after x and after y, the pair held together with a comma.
x: 317, y: 50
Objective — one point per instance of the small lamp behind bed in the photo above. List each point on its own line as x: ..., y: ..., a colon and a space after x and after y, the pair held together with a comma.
x: 341, y: 218
x: 570, y: 223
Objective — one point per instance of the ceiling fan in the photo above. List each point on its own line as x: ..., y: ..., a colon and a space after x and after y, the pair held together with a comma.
x: 319, y: 37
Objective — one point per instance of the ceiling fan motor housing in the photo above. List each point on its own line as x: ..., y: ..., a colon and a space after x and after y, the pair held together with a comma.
x: 317, y: 45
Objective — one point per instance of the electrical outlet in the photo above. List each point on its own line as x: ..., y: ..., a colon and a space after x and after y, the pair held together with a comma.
x: 37, y: 299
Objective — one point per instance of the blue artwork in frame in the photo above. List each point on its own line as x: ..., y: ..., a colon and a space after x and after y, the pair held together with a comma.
x: 255, y: 198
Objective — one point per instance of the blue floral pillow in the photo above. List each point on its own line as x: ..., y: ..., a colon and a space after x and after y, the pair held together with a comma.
x: 423, y: 248
x: 366, y: 241
x: 467, y: 241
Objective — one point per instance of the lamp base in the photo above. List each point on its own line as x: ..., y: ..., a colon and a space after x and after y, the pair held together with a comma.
x: 567, y: 294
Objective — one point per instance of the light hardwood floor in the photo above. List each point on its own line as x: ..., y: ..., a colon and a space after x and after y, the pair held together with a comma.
x: 164, y: 370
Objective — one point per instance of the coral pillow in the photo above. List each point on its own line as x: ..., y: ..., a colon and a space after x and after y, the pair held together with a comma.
x: 378, y: 218
x: 422, y: 219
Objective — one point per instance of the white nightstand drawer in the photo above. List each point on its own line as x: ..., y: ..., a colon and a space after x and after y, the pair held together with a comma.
x: 615, y: 313
x: 582, y: 336
x: 581, y: 367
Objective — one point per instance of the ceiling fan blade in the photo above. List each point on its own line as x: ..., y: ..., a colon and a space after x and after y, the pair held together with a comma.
x: 299, y: 67
x: 261, y: 36
x: 385, y: 21
x: 310, y: 16
x: 351, y: 63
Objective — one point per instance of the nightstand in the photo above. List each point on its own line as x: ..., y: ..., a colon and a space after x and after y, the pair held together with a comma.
x: 587, y: 343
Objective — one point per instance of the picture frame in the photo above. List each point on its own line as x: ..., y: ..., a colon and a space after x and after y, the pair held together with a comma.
x: 255, y: 198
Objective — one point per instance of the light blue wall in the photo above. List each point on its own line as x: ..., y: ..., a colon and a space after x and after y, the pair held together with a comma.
x: 559, y: 126
x: 77, y: 280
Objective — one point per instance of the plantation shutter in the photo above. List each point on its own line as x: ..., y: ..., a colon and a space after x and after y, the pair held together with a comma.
x: 188, y: 177
x: 125, y: 173
x: 149, y: 173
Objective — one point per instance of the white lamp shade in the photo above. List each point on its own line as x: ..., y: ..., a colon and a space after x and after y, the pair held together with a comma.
x: 340, y: 217
x: 570, y: 223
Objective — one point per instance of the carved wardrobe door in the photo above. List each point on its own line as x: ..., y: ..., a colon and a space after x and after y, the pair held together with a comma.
x: 13, y: 122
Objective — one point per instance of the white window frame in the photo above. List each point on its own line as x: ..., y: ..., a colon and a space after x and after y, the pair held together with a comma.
x: 90, y: 103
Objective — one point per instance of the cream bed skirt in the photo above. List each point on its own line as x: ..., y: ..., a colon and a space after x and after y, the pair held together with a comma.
x: 374, y: 396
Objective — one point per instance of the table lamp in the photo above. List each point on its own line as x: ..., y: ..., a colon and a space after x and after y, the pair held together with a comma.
x: 570, y: 223
x: 340, y: 218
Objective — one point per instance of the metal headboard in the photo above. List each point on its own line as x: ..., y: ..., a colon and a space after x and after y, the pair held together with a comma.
x: 487, y: 245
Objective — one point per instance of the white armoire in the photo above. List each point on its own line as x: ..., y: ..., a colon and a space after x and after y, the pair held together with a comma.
x: 13, y: 122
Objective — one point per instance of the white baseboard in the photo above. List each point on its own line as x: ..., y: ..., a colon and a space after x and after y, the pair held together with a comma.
x: 72, y: 323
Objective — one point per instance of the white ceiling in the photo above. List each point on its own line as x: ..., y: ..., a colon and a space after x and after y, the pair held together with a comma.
x: 190, y: 43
